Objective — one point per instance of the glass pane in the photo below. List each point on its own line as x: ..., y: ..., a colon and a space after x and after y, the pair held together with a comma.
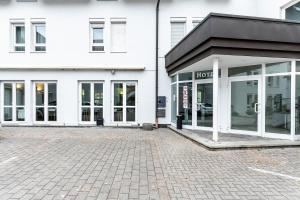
x: 186, y: 76
x: 298, y: 105
x: 98, y: 94
x: 52, y: 94
x: 293, y: 12
x: 20, y: 34
x: 20, y: 114
x: 7, y: 94
x: 174, y: 78
x: 85, y: 114
x: 86, y: 94
x: 40, y: 114
x: 40, y: 89
x: 244, y: 71
x: 130, y: 114
x: 98, y: 48
x: 298, y: 67
x: 97, y: 35
x: 40, y: 34
x: 98, y: 113
x: 130, y: 94
x: 174, y: 103
x: 19, y: 48
x: 205, y: 105
x: 278, y: 67
x: 40, y: 48
x: 52, y: 114
x: 20, y: 94
x: 185, y: 102
x: 278, y: 106
x: 118, y: 94
x: 244, y: 99
x: 118, y: 114
x: 7, y: 114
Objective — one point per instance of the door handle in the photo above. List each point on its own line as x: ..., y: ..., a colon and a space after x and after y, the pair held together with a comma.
x: 256, y: 107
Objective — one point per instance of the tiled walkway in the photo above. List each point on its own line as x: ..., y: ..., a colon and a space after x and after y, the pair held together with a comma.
x: 107, y: 163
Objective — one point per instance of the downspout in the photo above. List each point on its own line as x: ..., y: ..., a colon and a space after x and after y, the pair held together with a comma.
x: 156, y: 63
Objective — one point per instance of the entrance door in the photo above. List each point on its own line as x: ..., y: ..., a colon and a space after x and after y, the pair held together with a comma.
x: 204, y: 104
x: 245, y: 117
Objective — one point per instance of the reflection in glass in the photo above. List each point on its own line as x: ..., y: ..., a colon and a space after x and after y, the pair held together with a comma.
x: 186, y: 76
x: 40, y: 34
x: 7, y: 94
x: 185, y: 102
x: 298, y: 66
x: 8, y: 114
x: 39, y: 88
x: 39, y: 114
x: 98, y: 94
x: 98, y: 113
x: 52, y: 94
x: 244, y: 99
x: 278, y: 106
x: 20, y: 94
x: 51, y: 114
x: 130, y: 114
x: 130, y: 94
x: 244, y: 71
x: 97, y: 35
x: 20, y: 35
x: 85, y: 94
x: 20, y: 114
x: 298, y: 105
x: 292, y: 12
x: 85, y: 114
x: 118, y: 94
x: 118, y: 114
x: 205, y: 105
x: 174, y: 103
x: 278, y: 67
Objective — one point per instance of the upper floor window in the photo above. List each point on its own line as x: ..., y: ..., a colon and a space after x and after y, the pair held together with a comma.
x: 178, y: 30
x: 39, y: 37
x: 293, y: 12
x: 97, y: 36
x: 18, y: 37
x: 118, y: 35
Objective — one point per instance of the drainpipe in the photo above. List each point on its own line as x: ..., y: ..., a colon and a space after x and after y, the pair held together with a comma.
x: 156, y: 63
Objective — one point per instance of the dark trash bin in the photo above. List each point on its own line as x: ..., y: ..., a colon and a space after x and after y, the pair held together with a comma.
x: 179, y: 121
x: 100, y: 122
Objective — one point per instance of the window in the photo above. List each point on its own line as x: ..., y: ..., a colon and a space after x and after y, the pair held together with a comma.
x: 282, y: 67
x: 45, y: 101
x: 293, y: 12
x: 118, y: 36
x: 244, y: 71
x: 97, y: 36
x: 177, y: 31
x: 124, y: 107
x: 39, y: 37
x: 196, y: 21
x: 14, y: 101
x: 18, y: 37
x: 185, y: 76
x: 91, y: 101
x: 298, y: 105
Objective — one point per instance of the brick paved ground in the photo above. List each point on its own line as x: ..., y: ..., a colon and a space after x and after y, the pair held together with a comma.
x: 91, y: 163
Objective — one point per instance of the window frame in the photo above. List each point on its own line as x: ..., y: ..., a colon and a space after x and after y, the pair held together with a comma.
x: 14, y: 43
x: 177, y: 20
x: 93, y: 25
x: 286, y: 6
x: 34, y: 44
x: 118, y: 22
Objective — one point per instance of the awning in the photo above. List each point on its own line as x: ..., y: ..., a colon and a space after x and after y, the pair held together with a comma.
x: 221, y: 34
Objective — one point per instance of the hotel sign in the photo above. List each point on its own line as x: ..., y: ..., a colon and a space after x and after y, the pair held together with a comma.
x: 205, y: 74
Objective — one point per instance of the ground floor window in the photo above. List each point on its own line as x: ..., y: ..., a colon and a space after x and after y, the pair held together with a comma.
x: 124, y: 101
x: 174, y: 102
x: 14, y: 101
x: 91, y: 101
x: 45, y: 101
x: 298, y: 105
x: 205, y: 104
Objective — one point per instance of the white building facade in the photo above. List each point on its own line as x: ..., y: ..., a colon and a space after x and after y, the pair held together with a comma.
x: 68, y: 63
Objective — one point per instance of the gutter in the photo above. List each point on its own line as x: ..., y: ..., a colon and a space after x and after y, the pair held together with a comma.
x: 156, y: 62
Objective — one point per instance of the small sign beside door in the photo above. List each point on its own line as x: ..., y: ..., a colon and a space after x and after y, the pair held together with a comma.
x: 185, y: 97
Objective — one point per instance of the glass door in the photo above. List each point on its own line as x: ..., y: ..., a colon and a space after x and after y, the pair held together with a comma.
x: 245, y: 106
x: 204, y: 102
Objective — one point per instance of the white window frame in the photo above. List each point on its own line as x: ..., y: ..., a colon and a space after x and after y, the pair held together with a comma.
x: 286, y: 6
x: 92, y: 103
x: 96, y: 24
x: 14, y: 44
x: 124, y: 106
x: 45, y: 106
x: 14, y: 105
x: 177, y: 20
x: 118, y: 21
x: 33, y: 36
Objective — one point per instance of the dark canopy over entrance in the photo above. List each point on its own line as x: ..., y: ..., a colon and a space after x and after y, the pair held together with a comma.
x: 220, y: 34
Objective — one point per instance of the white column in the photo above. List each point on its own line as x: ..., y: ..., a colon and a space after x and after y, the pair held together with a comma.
x: 215, y: 98
x: 293, y: 100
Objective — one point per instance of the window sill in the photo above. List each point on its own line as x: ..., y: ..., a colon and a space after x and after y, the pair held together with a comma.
x: 96, y: 51
x: 17, y: 52
x: 118, y: 52
x: 38, y: 52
